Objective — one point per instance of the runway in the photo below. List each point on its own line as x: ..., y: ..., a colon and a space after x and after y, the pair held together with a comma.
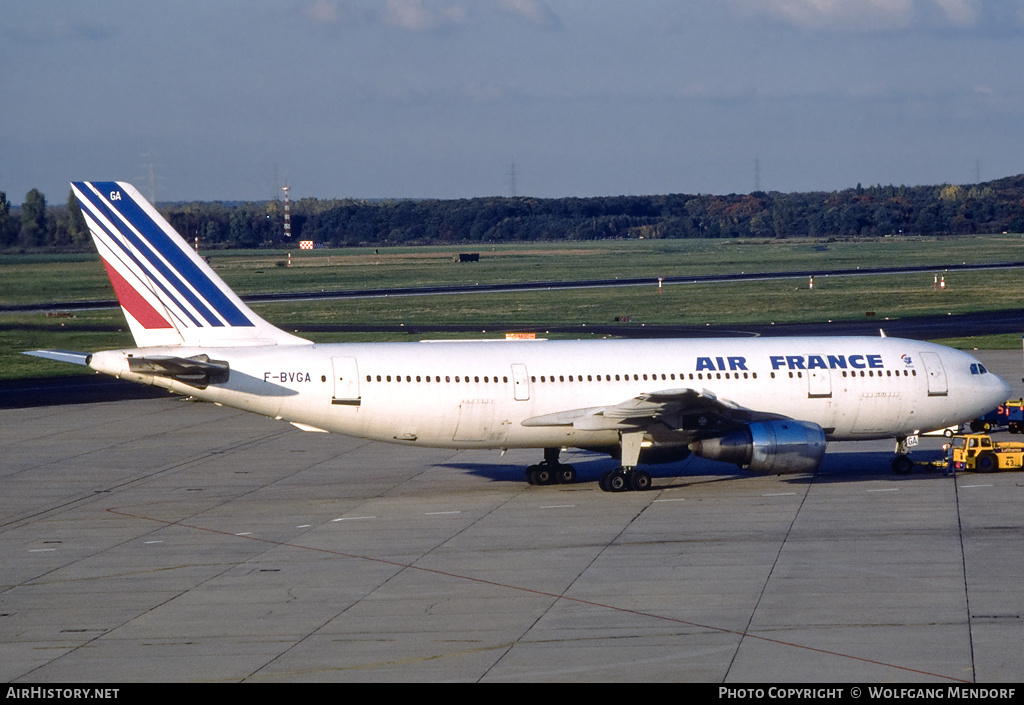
x: 161, y: 540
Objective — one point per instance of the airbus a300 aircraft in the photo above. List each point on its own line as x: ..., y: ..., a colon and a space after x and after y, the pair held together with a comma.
x: 767, y: 405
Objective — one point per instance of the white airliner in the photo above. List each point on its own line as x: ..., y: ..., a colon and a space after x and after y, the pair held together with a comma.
x: 766, y: 404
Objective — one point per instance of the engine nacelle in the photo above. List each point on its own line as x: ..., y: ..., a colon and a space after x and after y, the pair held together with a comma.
x: 779, y: 447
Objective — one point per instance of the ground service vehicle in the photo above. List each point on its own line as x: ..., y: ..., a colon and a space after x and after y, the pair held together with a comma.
x: 977, y: 451
x: 1010, y: 414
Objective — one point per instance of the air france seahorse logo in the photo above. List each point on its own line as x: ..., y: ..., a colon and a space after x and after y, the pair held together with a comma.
x: 908, y: 361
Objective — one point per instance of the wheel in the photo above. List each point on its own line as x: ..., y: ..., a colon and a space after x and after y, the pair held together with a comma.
x: 540, y: 475
x: 640, y: 480
x: 986, y: 462
x: 565, y: 474
x: 616, y: 481
x: 902, y: 464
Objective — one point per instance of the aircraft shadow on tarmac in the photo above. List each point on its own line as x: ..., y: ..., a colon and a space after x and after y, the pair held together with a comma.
x: 78, y: 389
x: 837, y: 467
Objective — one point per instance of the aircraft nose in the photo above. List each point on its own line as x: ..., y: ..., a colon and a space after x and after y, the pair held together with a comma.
x: 996, y: 390
x: 1004, y: 389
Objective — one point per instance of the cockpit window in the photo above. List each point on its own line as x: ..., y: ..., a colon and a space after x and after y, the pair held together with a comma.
x: 978, y: 369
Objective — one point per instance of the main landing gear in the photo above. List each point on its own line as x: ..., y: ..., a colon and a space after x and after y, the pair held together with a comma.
x: 550, y: 471
x: 625, y: 479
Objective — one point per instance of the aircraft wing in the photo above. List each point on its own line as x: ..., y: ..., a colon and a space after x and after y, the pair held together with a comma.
x: 686, y: 410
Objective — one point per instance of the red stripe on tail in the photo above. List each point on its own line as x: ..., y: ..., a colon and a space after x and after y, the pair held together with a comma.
x: 133, y: 303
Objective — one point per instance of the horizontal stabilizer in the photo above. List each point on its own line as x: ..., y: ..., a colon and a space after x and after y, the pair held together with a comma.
x: 75, y: 358
x: 198, y: 371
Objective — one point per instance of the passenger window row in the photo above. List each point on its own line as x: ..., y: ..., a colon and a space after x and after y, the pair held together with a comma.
x: 668, y: 377
x: 487, y: 379
x: 436, y: 378
x: 869, y: 373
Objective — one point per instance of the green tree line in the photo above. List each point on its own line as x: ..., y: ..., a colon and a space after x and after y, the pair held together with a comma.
x: 873, y: 211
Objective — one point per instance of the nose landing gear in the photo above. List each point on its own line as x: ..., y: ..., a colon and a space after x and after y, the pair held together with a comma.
x: 901, y: 463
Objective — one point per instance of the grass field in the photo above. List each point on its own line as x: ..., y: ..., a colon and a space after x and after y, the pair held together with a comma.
x: 37, y: 279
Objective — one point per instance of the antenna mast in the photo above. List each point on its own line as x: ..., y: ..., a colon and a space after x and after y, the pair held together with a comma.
x: 150, y: 167
x: 287, y: 213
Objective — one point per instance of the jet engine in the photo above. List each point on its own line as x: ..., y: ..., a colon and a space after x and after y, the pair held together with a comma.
x: 779, y: 447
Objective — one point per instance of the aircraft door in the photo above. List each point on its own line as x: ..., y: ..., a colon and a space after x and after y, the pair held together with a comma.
x: 476, y: 421
x: 936, y: 373
x: 520, y: 382
x: 819, y: 384
x: 346, y: 381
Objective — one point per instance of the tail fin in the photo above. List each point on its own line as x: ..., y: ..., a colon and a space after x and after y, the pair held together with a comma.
x: 169, y: 295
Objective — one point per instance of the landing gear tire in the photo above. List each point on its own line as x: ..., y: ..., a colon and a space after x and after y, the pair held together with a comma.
x: 639, y: 481
x: 623, y: 480
x: 615, y: 481
x: 565, y: 474
x: 540, y: 475
x: 547, y: 474
x: 549, y: 471
x: 902, y: 464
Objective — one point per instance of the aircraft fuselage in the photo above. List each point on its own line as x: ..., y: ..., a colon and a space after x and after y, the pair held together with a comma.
x: 477, y: 394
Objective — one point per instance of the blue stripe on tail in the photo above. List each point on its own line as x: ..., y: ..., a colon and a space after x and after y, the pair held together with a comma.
x: 176, y: 266
x: 99, y: 206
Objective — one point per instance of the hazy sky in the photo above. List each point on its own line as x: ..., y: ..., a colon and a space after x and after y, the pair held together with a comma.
x: 229, y: 99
